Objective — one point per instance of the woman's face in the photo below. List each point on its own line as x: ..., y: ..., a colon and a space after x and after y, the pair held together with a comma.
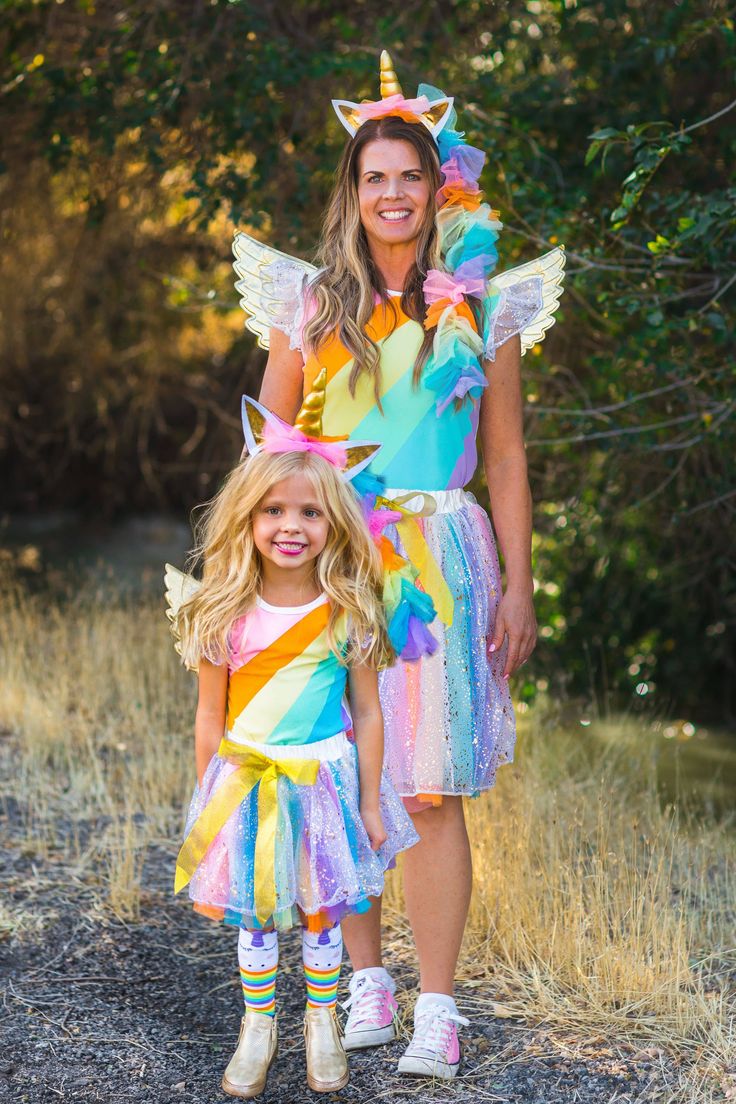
x: 393, y: 192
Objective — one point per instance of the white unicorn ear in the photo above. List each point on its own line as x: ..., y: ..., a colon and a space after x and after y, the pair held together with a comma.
x: 359, y: 455
x: 437, y: 114
x: 255, y: 418
x: 347, y: 113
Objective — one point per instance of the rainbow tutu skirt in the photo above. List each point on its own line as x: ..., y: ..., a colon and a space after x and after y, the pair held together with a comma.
x: 449, y: 721
x: 312, y: 862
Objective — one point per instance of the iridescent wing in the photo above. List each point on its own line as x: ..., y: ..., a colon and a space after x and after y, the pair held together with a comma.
x: 179, y: 589
x: 270, y: 284
x: 520, y: 284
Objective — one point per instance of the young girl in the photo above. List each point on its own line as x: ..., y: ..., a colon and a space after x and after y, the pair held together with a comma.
x: 291, y: 822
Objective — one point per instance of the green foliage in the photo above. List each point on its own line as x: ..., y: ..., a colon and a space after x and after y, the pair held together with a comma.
x: 135, y: 137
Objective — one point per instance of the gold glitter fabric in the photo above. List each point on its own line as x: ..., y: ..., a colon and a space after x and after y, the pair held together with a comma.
x: 449, y: 721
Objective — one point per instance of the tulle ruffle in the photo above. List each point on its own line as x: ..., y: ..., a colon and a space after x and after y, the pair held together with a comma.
x: 409, y: 610
x: 468, y: 231
x: 324, y: 865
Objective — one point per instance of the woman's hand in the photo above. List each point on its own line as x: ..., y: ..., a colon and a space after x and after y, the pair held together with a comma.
x: 373, y: 824
x: 515, y: 619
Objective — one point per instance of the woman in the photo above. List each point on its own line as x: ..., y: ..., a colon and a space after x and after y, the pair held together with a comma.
x: 403, y: 338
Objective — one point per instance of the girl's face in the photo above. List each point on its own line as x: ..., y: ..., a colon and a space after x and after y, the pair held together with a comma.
x: 393, y: 192
x: 289, y: 526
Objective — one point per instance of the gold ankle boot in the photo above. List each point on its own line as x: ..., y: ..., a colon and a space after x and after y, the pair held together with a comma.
x: 257, y: 1047
x: 327, y: 1063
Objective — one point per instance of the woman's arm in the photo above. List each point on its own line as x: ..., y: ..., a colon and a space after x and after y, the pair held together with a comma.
x: 209, y: 724
x: 283, y: 380
x: 365, y: 708
x: 502, y: 441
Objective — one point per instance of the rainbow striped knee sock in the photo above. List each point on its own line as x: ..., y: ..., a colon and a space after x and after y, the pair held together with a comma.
x: 258, y: 957
x: 322, y: 957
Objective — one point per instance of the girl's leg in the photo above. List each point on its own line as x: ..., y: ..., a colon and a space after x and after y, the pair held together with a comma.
x: 322, y: 958
x: 327, y: 1064
x: 438, y: 879
x: 258, y: 957
x: 247, y: 1070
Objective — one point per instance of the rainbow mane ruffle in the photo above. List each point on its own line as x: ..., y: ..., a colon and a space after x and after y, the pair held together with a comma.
x: 409, y: 610
x: 468, y: 230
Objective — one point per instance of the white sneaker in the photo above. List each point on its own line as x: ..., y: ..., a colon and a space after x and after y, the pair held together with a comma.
x: 372, y: 1012
x: 434, y: 1050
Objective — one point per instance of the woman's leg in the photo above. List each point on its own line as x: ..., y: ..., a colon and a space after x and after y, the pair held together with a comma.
x: 438, y: 879
x: 362, y: 934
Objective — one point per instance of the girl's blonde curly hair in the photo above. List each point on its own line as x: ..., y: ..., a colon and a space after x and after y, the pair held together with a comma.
x: 348, y: 570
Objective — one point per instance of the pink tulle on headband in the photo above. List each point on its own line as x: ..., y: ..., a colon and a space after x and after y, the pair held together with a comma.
x: 392, y: 104
x: 290, y: 439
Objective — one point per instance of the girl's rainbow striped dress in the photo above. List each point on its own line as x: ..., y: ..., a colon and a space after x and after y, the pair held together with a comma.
x: 274, y: 833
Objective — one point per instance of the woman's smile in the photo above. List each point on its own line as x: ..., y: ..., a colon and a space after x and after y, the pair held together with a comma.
x: 395, y: 214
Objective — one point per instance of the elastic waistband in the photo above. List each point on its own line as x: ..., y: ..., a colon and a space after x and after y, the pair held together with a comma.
x: 446, y: 501
x: 325, y: 750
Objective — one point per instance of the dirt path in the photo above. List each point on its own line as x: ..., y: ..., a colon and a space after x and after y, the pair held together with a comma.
x: 97, y: 1010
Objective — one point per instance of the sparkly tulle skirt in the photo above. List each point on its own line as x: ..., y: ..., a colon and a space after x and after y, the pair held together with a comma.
x: 323, y: 866
x: 449, y: 721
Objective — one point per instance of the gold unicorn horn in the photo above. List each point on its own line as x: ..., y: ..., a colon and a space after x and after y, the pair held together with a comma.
x: 389, y: 81
x: 309, y: 418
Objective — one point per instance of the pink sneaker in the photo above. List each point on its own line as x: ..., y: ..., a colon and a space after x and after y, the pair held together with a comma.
x: 434, y: 1050
x: 372, y: 1010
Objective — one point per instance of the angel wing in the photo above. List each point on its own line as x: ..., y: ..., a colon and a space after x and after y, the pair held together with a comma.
x: 270, y: 284
x: 179, y: 589
x: 530, y: 295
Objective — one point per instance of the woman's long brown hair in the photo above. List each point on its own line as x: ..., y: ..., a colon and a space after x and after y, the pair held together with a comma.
x: 346, y: 286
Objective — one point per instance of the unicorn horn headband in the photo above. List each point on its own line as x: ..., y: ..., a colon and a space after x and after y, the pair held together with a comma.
x: 265, y: 432
x: 433, y: 113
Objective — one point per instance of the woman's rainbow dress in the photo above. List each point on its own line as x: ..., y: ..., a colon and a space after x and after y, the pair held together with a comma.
x: 449, y: 718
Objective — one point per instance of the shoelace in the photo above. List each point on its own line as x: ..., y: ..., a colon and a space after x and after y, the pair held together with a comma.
x: 433, y: 1026
x: 367, y: 1000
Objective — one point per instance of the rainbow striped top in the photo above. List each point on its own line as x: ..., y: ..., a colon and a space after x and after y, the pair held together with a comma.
x: 422, y: 448
x: 286, y: 685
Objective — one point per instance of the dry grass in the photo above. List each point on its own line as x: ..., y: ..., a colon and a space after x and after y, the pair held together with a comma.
x: 596, y: 911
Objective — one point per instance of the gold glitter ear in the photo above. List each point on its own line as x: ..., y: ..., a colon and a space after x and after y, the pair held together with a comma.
x: 436, y: 111
x: 357, y: 453
x: 309, y: 418
x: 389, y: 81
x: 348, y: 115
x: 256, y: 421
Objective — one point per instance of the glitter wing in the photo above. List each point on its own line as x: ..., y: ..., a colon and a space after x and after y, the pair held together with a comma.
x: 551, y: 268
x: 269, y: 283
x: 179, y: 589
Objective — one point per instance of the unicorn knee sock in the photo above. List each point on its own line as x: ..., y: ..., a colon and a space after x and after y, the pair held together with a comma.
x: 258, y: 957
x: 322, y: 957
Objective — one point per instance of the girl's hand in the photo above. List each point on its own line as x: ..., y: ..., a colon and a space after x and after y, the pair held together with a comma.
x: 374, y: 827
x: 515, y: 618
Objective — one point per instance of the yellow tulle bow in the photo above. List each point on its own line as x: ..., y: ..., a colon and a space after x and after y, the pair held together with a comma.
x: 253, y: 768
x: 418, y: 551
